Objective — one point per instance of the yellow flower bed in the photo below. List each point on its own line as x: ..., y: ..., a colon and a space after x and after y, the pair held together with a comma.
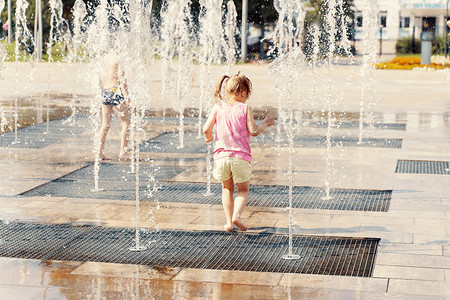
x: 408, y: 63
x: 411, y: 60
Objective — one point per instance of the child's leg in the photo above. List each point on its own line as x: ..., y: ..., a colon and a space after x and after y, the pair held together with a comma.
x: 106, y: 123
x: 240, y: 203
x: 227, y: 202
x: 124, y: 117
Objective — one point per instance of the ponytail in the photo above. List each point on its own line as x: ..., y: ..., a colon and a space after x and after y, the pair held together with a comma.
x: 218, y: 93
x: 236, y: 84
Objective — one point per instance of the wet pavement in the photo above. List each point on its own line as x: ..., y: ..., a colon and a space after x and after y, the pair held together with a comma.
x: 413, y: 255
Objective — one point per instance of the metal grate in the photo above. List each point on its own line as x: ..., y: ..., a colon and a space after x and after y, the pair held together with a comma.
x: 174, y: 120
x: 37, y: 136
x: 320, y: 141
x: 187, y: 249
x: 320, y: 124
x: 115, y: 179
x: 168, y: 142
x: 277, y: 196
x: 180, y: 159
x: 117, y: 183
x: 386, y: 126
x: 350, y: 141
x: 423, y: 167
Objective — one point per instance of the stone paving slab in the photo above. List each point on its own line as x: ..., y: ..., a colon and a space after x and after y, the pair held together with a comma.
x: 414, y: 232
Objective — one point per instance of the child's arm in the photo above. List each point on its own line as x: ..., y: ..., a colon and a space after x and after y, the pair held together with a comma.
x: 208, y: 127
x: 254, y: 129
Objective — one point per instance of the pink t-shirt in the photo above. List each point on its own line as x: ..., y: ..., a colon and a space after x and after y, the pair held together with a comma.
x: 232, y: 136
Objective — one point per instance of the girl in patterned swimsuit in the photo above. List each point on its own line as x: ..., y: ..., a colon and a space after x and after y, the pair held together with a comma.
x: 235, y: 123
x: 114, y: 98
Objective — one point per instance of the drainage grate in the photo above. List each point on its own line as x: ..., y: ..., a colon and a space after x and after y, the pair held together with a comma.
x: 423, y: 167
x: 278, y: 196
x: 115, y: 179
x: 319, y: 141
x: 350, y: 141
x: 118, y: 184
x: 37, y: 136
x: 186, y: 249
x: 194, y: 121
x: 168, y: 142
x: 174, y: 120
x: 386, y: 126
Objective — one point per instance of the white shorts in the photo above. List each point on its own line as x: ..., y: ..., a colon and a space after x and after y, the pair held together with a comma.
x: 231, y: 167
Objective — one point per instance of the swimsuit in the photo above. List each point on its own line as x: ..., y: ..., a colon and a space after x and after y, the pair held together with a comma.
x: 110, y: 97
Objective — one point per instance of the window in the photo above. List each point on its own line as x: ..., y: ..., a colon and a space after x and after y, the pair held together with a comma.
x: 383, y: 18
x: 359, y: 19
x: 407, y: 22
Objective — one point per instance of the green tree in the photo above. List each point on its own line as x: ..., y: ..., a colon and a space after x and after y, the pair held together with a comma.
x: 30, y: 15
x: 260, y: 12
x: 316, y: 14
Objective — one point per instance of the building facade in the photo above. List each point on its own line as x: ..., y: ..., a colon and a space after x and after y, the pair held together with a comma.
x: 402, y: 18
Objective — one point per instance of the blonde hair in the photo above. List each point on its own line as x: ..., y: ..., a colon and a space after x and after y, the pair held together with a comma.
x: 234, y: 85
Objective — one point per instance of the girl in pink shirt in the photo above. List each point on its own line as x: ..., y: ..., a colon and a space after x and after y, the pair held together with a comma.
x: 235, y: 123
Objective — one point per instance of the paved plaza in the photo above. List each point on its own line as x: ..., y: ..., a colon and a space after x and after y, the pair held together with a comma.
x: 390, y: 203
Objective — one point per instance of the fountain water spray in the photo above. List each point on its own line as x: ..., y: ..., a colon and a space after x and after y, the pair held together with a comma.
x: 33, y: 61
x: 286, y: 36
x: 136, y: 127
x: 330, y: 10
x: 120, y: 32
x: 38, y: 30
x: 335, y: 28
x: 211, y: 38
x: 176, y: 32
x: 344, y: 43
x: 96, y: 45
x: 79, y: 14
x: 168, y: 15
x: 214, y: 46
x: 152, y: 186
x: 369, y: 47
x: 3, y: 55
x: 57, y: 23
x: 138, y: 93
x: 287, y: 69
x: 315, y: 42
x: 3, y: 52
x: 231, y: 31
x: 23, y: 37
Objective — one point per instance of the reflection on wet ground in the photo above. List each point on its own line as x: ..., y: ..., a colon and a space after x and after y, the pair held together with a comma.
x: 412, y: 258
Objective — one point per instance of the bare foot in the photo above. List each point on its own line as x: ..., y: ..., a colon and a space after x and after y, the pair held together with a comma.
x: 239, y: 224
x: 124, y: 157
x: 228, y: 228
x: 104, y: 157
